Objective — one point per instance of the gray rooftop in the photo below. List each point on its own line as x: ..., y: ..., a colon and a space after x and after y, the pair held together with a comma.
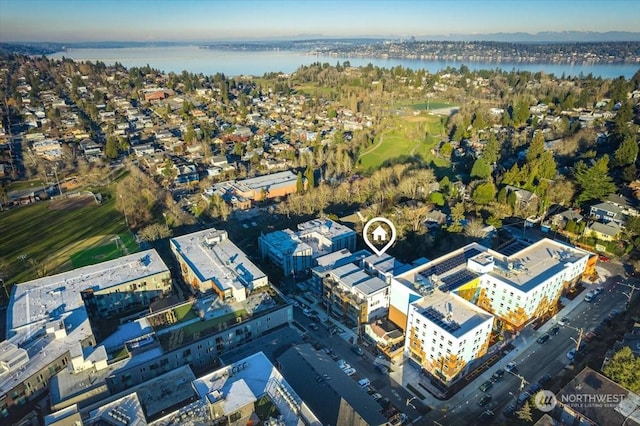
x: 36, y: 303
x: 451, y: 313
x: 220, y: 261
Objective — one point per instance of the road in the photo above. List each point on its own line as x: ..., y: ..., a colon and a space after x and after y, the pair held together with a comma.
x: 534, y: 360
x: 364, y: 365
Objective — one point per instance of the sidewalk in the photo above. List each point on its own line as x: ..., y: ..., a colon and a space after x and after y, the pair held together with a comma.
x: 405, y: 374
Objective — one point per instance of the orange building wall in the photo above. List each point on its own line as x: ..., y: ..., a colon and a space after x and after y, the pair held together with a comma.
x: 397, y: 317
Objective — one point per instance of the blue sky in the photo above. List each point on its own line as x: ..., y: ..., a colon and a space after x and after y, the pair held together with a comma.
x: 210, y: 20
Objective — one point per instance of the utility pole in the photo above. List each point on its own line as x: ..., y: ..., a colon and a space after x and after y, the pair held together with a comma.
x: 630, y: 294
x: 55, y: 171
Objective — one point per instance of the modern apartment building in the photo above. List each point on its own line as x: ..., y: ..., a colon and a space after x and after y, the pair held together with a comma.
x: 445, y: 333
x: 54, y: 322
x: 296, y: 251
x: 209, y: 261
x: 518, y: 284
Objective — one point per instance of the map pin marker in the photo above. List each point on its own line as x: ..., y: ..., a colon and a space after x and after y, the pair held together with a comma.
x: 379, y: 234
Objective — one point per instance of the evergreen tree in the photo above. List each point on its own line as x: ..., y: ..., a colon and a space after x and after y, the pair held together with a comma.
x: 595, y: 182
x: 627, y: 152
x: 484, y: 193
x: 481, y: 169
x: 299, y: 184
x: 525, y: 413
x: 491, y: 150
x: 311, y: 183
x: 457, y: 216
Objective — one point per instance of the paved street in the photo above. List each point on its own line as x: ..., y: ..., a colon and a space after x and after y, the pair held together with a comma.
x: 532, y: 359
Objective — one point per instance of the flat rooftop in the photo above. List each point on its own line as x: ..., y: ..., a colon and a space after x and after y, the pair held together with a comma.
x: 222, y: 261
x: 451, y: 313
x: 36, y: 303
x: 524, y: 267
x: 325, y: 227
x: 285, y: 241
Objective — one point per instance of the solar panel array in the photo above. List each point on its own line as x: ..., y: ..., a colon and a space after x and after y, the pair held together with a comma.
x: 449, y: 264
x: 437, y: 318
x: 454, y: 280
x: 513, y: 248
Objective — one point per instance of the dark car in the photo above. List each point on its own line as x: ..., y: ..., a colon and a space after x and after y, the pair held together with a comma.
x: 589, y: 336
x: 544, y: 379
x: 497, y: 375
x: 542, y: 339
x: 554, y: 330
x: 614, y: 314
x: 486, y: 398
x: 534, y: 388
x: 358, y: 350
x: 385, y: 403
x: 486, y: 386
x: 510, y: 411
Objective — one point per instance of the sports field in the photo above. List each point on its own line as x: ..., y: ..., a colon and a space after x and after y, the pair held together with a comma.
x: 404, y: 136
x: 54, y: 236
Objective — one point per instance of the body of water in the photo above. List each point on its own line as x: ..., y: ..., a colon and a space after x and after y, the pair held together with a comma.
x: 232, y: 63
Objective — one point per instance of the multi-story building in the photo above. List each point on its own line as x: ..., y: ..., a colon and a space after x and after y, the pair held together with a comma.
x: 257, y: 188
x: 51, y: 321
x: 229, y: 395
x: 445, y: 333
x: 210, y: 261
x: 518, y: 284
x: 295, y: 251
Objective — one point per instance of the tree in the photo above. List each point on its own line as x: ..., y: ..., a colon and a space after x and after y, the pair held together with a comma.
x: 491, y: 150
x: 457, y: 216
x: 624, y: 369
x: 481, y: 169
x: 525, y: 413
x: 299, y: 183
x: 112, y: 148
x: 310, y: 178
x: 484, y: 193
x: 536, y: 148
x: 474, y: 228
x: 595, y: 182
x: 627, y: 152
x: 437, y: 198
x: 155, y: 231
x: 520, y: 112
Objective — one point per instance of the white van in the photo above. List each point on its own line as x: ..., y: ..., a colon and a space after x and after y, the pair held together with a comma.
x: 364, y: 382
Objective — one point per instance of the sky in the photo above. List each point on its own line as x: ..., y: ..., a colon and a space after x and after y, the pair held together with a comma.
x: 216, y: 20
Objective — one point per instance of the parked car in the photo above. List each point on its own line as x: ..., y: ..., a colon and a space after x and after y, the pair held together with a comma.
x: 363, y: 383
x: 376, y: 396
x: 358, y: 350
x: 486, y: 398
x: 384, y: 403
x: 486, y: 415
x: 534, y: 388
x: 544, y: 379
x: 497, y: 375
x: 511, y: 367
x: 598, y: 290
x: 614, y: 314
x: 486, y: 386
x: 542, y: 339
x: 589, y: 296
x: 554, y: 330
x: 589, y: 336
x: 350, y: 371
x: 523, y: 397
x: 313, y: 326
x: 564, y: 321
x: 603, y: 258
x: 509, y: 411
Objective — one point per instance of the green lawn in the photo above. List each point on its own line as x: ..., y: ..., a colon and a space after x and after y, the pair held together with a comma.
x: 49, y: 237
x: 185, y: 313
x: 405, y: 136
x: 422, y: 104
x: 24, y: 185
x: 200, y: 326
x: 107, y: 250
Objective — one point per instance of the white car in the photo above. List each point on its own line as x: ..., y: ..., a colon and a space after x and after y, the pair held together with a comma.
x: 350, y: 371
x: 345, y: 367
x: 510, y: 367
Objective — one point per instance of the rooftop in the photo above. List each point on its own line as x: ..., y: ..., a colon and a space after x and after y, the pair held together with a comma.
x: 212, y: 256
x: 602, y: 400
x: 451, y: 313
x: 35, y: 304
x: 285, y: 241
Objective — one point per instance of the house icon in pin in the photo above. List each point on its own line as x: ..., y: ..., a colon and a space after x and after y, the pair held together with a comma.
x: 379, y: 234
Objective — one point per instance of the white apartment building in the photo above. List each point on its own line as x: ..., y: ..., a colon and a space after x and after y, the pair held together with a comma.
x: 517, y: 284
x: 210, y: 261
x: 445, y: 333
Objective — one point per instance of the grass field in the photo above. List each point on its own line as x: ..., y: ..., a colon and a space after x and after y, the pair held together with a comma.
x: 49, y: 233
x: 106, y: 249
x: 422, y: 105
x: 405, y: 136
